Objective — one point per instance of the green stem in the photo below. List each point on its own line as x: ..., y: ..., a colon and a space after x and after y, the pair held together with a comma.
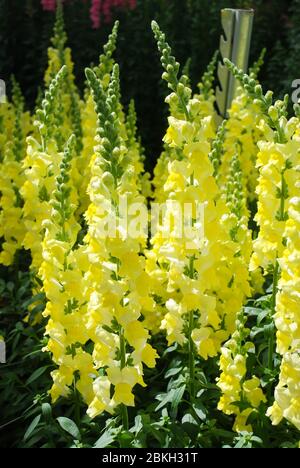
x: 76, y: 404
x: 191, y: 357
x: 124, y: 411
x: 273, y: 307
x: 190, y: 331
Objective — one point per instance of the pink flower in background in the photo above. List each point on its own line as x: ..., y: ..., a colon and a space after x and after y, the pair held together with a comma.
x: 106, y: 10
x: 49, y: 5
x: 132, y: 4
x: 98, y: 9
x: 95, y: 13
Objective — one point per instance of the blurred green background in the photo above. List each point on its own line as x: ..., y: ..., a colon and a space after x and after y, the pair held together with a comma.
x: 192, y: 28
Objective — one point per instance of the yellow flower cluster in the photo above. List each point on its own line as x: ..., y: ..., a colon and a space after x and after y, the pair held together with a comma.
x: 205, y: 103
x: 41, y: 166
x: 61, y: 272
x: 12, y: 228
x: 242, y: 134
x: 240, y: 396
x: 118, y: 284
x: 276, y: 186
x: 287, y: 321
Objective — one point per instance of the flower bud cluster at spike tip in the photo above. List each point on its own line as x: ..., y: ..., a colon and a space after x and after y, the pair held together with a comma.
x: 107, y: 112
x: 256, y: 67
x: 105, y: 60
x: 63, y: 190
x: 131, y: 121
x: 18, y: 137
x: 45, y: 115
x: 235, y: 195
x: 207, y: 81
x: 216, y: 152
x: 273, y: 113
x: 171, y: 67
x: 60, y: 38
x: 89, y: 117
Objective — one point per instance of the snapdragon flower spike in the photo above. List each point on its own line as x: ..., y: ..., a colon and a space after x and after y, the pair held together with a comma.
x: 61, y: 272
x: 118, y: 284
x: 194, y: 282
x: 107, y: 121
x: 12, y: 227
x: 171, y: 67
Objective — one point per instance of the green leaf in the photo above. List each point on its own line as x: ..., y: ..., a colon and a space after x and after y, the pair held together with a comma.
x: 32, y: 300
x: 165, y: 399
x: 190, y: 425
x: 177, y: 397
x: 173, y: 371
x: 138, y: 425
x: 36, y: 374
x: 241, y: 443
x: 32, y: 427
x: 200, y: 410
x: 47, y: 411
x: 262, y: 315
x: 106, y: 439
x: 69, y: 426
